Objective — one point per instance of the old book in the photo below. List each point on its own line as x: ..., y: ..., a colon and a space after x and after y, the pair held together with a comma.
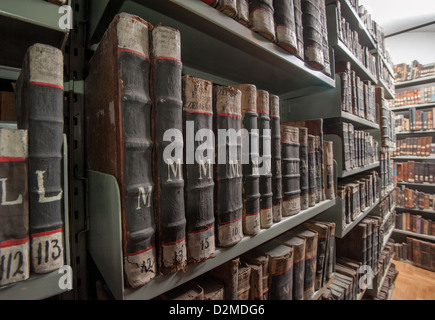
x: 416, y: 252
x: 228, y: 274
x: 411, y: 173
x: 311, y: 239
x: 213, y: 289
x: 329, y: 169
x: 251, y: 175
x: 312, y: 31
x: 285, y: 27
x: 14, y: 204
x: 265, y: 163
x: 312, y: 171
x: 39, y: 98
x: 290, y: 170
x: 243, y: 12
x: 303, y: 168
x: 261, y: 18
x: 168, y: 115
x: 354, y: 244
x: 228, y: 171
x: 432, y: 256
x: 399, y: 169
x: 280, y: 270
x: 299, y: 29
x: 298, y: 245
x: 259, y: 263
x: 187, y: 291
x: 325, y: 40
x: 8, y: 111
x: 198, y: 170
x: 228, y: 7
x: 276, y: 158
x: 243, y: 281
x: 318, y: 147
x: 114, y: 61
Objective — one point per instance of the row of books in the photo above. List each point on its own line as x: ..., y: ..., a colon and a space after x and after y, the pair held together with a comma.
x: 388, y: 225
x: 163, y: 154
x: 386, y: 173
x: 31, y: 171
x: 350, y: 39
x: 414, y: 146
x: 298, y: 26
x: 415, y: 223
x: 292, y: 266
x: 414, y: 70
x: 420, y: 253
x: 415, y: 172
x: 415, y: 120
x: 415, y: 199
x: 387, y: 205
x: 357, y: 194
x: 425, y: 94
x: 359, y: 147
x: 357, y: 97
x: 387, y: 123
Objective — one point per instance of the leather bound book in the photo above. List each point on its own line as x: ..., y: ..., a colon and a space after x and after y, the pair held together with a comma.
x: 251, y: 175
x: 312, y: 171
x: 298, y: 245
x: 399, y: 167
x: 213, y: 289
x: 280, y: 270
x: 198, y: 173
x: 228, y: 7
x: 168, y: 176
x: 243, y: 12
x: 322, y: 250
x: 290, y: 170
x: 303, y: 168
x: 329, y: 169
x: 255, y: 282
x: 266, y: 216
x: 212, y: 3
x: 405, y: 171
x: 124, y: 150
x: 313, y: 37
x: 299, y: 29
x: 311, y: 239
x: 276, y: 158
x: 319, y: 165
x: 410, y: 243
x: 411, y: 173
x: 228, y: 171
x: 257, y: 257
x: 261, y: 18
x: 187, y: 291
x: 285, y: 25
x: 432, y: 257
x: 39, y: 101
x: 243, y: 281
x: 416, y: 252
x: 325, y: 40
x: 14, y: 207
x: 228, y: 274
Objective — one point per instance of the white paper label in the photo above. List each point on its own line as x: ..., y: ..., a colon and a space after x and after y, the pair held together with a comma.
x: 14, y: 263
x: 251, y: 224
x: 230, y: 233
x: 166, y: 43
x: 140, y: 268
x: 201, y: 245
x: 277, y: 213
x: 263, y: 21
x: 47, y: 252
x: 285, y: 35
x: 291, y: 207
x: 13, y: 143
x: 46, y: 65
x: 133, y: 34
x: 266, y: 218
x: 174, y: 252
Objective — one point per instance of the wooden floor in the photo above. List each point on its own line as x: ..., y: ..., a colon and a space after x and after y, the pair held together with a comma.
x: 413, y: 283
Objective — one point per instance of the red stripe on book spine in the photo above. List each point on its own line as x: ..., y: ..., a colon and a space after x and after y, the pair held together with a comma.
x: 36, y: 83
x: 139, y: 252
x: 230, y: 115
x: 202, y: 230
x: 12, y: 159
x: 252, y: 214
x: 46, y: 233
x: 173, y: 243
x: 201, y: 112
x: 14, y: 242
x: 222, y: 223
x: 168, y: 58
x: 134, y: 52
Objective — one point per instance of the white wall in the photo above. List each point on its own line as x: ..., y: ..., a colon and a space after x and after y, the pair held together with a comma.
x: 404, y: 48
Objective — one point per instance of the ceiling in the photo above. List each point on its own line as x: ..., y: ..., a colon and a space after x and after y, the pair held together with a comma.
x: 398, y: 15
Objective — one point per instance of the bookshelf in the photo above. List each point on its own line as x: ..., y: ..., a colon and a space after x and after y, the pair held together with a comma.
x: 417, y: 106
x: 417, y: 209
x: 430, y: 185
x: 106, y: 238
x: 414, y: 82
x: 414, y: 234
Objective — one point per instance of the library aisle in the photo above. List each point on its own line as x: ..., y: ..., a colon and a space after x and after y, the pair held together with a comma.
x: 413, y: 283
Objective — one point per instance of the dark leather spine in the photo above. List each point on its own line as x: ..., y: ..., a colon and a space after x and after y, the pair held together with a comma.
x: 319, y: 166
x: 290, y: 170
x: 329, y: 169
x: 312, y: 173
x: 228, y: 175
x: 266, y: 216
x: 167, y: 115
x: 299, y: 29
x: 303, y: 168
x: 276, y: 158
x: 251, y: 177
x: 14, y: 207
x: 40, y: 111
x: 261, y: 18
x: 285, y: 25
x: 199, y: 183
x: 311, y: 239
x: 313, y: 38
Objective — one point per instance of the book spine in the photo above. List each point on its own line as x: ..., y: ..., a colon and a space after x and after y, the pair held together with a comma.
x: 251, y: 176
x: 266, y: 216
x: 228, y: 176
x: 290, y: 170
x: 303, y: 168
x: 299, y: 29
x: 243, y: 12
x: 285, y: 25
x: 319, y: 164
x: 228, y: 7
x: 329, y: 169
x: 261, y: 18
x: 276, y: 158
x: 310, y: 265
x: 312, y: 171
x: 168, y: 115
x: 199, y: 183
x: 14, y: 207
x: 281, y: 276
x: 40, y: 110
x: 312, y: 31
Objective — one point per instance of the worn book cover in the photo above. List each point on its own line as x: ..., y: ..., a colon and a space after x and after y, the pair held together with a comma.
x: 311, y: 240
x: 227, y: 273
x: 285, y: 27
x: 276, y: 158
x: 260, y: 282
x: 261, y: 18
